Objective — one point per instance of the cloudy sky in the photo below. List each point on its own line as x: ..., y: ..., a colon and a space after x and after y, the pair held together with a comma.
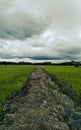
x: 40, y: 28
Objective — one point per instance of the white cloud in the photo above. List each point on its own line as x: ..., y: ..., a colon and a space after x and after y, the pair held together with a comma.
x: 40, y: 28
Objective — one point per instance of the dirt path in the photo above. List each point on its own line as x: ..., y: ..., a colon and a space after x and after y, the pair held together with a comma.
x: 35, y: 108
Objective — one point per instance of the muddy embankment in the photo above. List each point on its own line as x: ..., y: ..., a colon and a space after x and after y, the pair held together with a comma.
x: 39, y: 106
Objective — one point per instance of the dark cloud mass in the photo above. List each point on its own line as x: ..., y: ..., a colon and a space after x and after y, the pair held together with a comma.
x: 40, y: 28
x: 19, y: 22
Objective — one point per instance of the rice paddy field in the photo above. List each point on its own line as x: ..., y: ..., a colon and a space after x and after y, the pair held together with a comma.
x: 12, y: 79
x: 68, y: 78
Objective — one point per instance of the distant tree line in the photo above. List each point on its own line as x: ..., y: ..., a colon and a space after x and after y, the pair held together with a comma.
x: 71, y: 63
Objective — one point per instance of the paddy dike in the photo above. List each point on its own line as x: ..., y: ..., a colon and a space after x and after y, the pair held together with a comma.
x: 37, y: 107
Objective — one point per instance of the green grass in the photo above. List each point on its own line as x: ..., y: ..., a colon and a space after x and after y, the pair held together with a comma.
x: 70, y: 79
x: 12, y: 79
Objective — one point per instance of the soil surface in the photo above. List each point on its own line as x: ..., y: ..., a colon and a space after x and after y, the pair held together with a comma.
x: 36, y: 107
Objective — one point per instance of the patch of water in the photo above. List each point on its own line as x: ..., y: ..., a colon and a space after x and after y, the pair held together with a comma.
x: 72, y: 113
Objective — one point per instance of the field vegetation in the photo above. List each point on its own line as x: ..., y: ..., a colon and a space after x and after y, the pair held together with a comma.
x: 68, y: 78
x: 12, y: 79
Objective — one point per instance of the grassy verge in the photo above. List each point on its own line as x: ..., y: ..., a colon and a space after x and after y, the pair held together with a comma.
x: 69, y: 79
x: 12, y: 79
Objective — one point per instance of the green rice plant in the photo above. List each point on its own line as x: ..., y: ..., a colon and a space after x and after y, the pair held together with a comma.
x: 12, y: 79
x: 70, y: 79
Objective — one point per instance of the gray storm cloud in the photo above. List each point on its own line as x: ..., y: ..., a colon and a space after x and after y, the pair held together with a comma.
x: 40, y: 28
x: 21, y: 19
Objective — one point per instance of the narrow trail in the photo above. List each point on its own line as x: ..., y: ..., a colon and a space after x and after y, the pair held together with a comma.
x: 34, y: 108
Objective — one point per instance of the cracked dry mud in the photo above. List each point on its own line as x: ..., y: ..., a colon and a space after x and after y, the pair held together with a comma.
x: 35, y: 107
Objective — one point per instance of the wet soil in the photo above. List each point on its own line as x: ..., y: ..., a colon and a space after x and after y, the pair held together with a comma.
x: 37, y: 107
